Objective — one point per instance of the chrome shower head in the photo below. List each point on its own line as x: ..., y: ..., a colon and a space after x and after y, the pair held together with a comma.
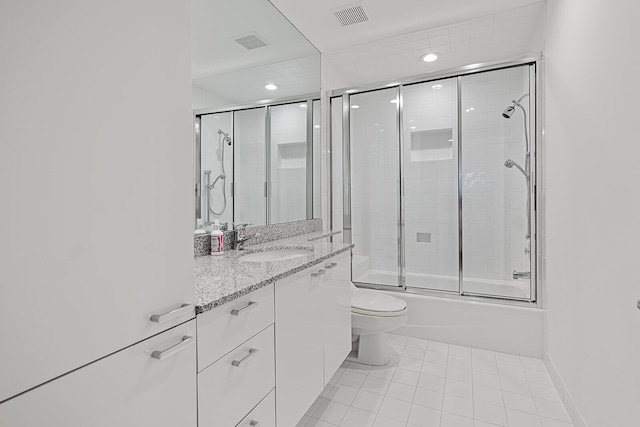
x: 509, y: 163
x: 508, y: 112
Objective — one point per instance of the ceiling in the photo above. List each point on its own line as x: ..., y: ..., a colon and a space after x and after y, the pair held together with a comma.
x: 318, y: 23
x: 215, y: 24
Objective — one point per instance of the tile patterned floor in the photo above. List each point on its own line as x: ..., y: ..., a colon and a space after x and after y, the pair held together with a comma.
x: 431, y: 384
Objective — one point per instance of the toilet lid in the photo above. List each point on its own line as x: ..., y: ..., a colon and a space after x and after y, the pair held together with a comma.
x: 376, y: 304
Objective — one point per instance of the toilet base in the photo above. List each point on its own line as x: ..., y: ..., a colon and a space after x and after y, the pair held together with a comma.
x: 370, y: 349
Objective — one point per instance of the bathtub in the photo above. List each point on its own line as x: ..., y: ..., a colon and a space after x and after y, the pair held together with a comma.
x: 485, y: 325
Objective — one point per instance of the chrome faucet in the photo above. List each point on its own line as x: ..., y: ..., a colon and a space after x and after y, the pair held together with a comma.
x: 521, y: 274
x: 240, y: 237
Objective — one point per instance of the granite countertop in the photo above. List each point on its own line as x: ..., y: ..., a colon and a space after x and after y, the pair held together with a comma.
x: 223, y: 278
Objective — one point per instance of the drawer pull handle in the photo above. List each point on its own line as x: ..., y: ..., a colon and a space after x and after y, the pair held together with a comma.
x: 182, y: 310
x: 186, y: 342
x: 318, y: 273
x: 254, y: 423
x: 330, y: 266
x: 252, y: 352
x: 239, y: 311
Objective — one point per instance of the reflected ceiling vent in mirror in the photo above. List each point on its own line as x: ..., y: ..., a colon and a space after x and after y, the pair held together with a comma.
x: 251, y: 41
x: 352, y: 14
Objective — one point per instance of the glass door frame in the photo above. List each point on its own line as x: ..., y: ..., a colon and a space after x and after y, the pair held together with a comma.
x: 533, y: 63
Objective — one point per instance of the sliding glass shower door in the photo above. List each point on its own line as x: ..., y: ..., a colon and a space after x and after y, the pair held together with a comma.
x: 439, y: 183
x: 374, y: 186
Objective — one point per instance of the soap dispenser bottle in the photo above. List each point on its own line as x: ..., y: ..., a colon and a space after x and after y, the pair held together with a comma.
x: 217, y: 239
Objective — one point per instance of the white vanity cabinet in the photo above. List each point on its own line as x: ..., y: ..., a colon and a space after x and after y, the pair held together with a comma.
x: 151, y: 383
x: 313, y: 334
x: 236, y: 362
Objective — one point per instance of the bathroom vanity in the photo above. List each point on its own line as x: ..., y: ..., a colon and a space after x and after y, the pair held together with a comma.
x: 270, y: 331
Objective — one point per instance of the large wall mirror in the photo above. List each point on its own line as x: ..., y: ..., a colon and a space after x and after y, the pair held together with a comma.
x: 256, y: 90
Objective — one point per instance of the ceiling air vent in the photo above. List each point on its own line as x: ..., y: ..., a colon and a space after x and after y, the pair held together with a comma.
x: 250, y: 41
x: 351, y: 14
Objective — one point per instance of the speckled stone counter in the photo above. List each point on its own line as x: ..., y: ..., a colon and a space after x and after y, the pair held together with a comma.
x: 223, y: 278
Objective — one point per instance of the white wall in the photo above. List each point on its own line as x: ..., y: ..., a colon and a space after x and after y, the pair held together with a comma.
x: 593, y: 206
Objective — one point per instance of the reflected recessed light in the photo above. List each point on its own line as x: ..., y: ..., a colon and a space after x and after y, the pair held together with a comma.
x: 316, y: 126
x: 469, y: 109
x: 394, y: 101
x: 262, y: 101
x: 303, y: 105
x: 355, y: 106
x: 350, y: 91
x: 437, y: 87
x: 429, y: 57
x: 450, y: 140
x: 380, y: 130
x: 270, y: 86
x: 412, y: 127
x: 393, y: 84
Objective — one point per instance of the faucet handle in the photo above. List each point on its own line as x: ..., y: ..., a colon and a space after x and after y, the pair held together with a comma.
x: 240, y: 226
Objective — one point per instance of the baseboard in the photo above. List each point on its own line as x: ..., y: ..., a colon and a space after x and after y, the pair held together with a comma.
x: 563, y: 391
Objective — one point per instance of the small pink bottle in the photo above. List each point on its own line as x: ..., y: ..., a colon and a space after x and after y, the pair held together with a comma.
x: 217, y: 239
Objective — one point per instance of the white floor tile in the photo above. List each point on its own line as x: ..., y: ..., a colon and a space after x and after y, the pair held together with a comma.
x: 490, y: 413
x: 431, y: 382
x: 394, y: 408
x: 375, y: 385
x: 458, y: 405
x: 351, y: 379
x: 357, y: 417
x: 515, y: 386
x: 405, y: 376
x: 486, y: 380
x: 554, y: 410
x: 382, y: 421
x: 489, y: 395
x: 522, y: 419
x: 424, y: 417
x: 519, y: 402
x: 451, y: 386
x: 410, y: 364
x: 540, y: 377
x: 452, y: 420
x: 331, y: 412
x: 367, y: 401
x: 546, y: 392
x: 428, y: 398
x: 458, y: 388
x: 341, y: 394
x: 529, y: 363
x: 401, y: 391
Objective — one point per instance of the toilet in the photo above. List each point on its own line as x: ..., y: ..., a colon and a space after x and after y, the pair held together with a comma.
x: 372, y: 314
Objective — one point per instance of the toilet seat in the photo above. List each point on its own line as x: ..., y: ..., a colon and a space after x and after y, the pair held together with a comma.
x: 372, y: 303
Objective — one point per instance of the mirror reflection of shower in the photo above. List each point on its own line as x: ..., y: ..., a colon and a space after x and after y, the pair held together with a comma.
x: 526, y: 171
x: 223, y: 139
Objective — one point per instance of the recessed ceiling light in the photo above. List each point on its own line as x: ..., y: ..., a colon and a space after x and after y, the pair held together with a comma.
x: 270, y: 86
x: 412, y: 127
x: 393, y: 84
x: 316, y: 126
x: 429, y: 57
x: 394, y: 101
x: 437, y: 87
x: 350, y: 91
x: 303, y: 105
x: 355, y: 106
x: 263, y: 101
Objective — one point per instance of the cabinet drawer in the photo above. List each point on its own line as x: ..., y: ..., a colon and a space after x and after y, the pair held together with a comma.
x: 264, y: 414
x: 226, y: 327
x: 227, y: 392
x: 150, y: 384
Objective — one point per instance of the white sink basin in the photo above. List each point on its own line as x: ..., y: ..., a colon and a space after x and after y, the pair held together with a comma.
x: 275, y: 255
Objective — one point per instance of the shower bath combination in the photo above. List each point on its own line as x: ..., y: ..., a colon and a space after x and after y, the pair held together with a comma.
x: 223, y: 139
